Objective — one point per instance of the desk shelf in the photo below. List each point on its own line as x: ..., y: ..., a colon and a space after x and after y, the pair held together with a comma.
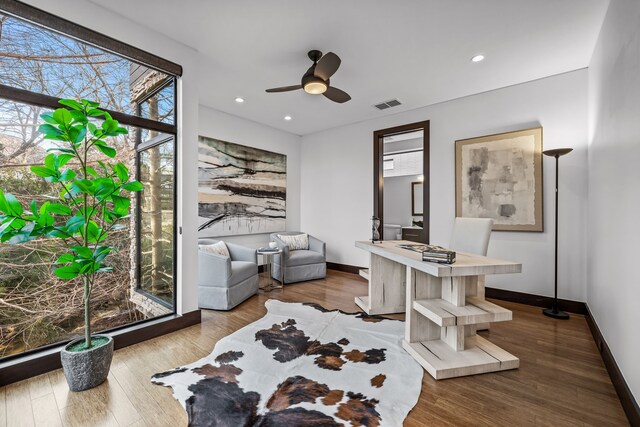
x: 476, y: 311
x: 441, y: 321
x: 479, y: 356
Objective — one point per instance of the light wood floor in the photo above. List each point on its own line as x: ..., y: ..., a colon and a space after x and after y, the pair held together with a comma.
x: 561, y: 381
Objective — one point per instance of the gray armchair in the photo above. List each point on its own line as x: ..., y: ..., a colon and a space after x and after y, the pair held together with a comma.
x: 299, y: 265
x: 225, y: 282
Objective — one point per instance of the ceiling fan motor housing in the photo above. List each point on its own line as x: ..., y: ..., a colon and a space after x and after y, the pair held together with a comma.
x: 310, y: 82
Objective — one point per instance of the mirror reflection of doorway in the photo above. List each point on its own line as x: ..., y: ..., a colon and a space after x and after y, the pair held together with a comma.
x: 401, y: 193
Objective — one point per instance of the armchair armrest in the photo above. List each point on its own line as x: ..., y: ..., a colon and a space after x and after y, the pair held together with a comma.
x: 213, y: 269
x: 318, y: 245
x: 242, y: 253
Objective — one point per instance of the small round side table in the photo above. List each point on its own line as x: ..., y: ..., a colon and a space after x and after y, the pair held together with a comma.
x: 268, y: 257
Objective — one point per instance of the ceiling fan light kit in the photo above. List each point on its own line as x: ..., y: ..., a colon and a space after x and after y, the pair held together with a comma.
x: 315, y: 87
x: 316, y: 80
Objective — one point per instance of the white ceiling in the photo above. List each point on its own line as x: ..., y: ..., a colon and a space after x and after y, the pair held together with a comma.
x: 416, y: 51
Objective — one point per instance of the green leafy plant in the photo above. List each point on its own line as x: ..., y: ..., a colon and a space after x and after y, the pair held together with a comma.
x: 91, y: 199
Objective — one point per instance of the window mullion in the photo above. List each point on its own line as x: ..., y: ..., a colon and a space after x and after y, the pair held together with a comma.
x: 42, y: 100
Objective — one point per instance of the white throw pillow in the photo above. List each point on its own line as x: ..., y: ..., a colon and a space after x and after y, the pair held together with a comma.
x: 219, y: 248
x: 295, y: 242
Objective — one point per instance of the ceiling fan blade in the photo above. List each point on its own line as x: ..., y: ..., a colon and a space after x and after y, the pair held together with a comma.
x: 337, y: 95
x: 284, y: 88
x: 327, y: 65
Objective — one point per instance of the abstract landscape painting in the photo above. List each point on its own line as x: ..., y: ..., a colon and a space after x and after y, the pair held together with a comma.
x: 500, y: 177
x: 241, y: 190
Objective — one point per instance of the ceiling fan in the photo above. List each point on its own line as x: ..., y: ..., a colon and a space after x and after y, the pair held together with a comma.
x: 316, y: 80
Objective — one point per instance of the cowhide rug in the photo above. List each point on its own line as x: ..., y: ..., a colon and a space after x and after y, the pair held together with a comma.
x: 302, y: 365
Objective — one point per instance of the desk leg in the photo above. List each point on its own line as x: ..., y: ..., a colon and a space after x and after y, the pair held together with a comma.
x: 420, y: 286
x: 387, y: 288
x: 475, y: 287
x: 479, y: 291
x: 454, y: 290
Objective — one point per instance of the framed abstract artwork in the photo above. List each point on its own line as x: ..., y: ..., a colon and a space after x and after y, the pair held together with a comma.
x: 500, y: 177
x: 241, y: 190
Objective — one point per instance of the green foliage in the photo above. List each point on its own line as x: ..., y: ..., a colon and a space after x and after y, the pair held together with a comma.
x: 90, y: 202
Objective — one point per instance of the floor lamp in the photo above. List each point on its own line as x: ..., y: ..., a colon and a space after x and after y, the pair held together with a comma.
x: 553, y: 311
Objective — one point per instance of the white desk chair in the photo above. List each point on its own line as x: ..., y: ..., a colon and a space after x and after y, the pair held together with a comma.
x: 472, y: 235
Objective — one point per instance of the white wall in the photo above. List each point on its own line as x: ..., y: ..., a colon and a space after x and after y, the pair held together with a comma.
x: 613, y: 290
x: 337, y: 178
x: 219, y: 125
x: 120, y: 28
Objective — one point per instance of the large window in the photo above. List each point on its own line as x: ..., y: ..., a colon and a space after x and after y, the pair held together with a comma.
x: 37, y: 67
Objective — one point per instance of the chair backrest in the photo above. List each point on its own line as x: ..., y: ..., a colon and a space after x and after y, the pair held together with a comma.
x: 274, y: 236
x: 471, y: 235
x: 287, y: 233
x: 207, y: 241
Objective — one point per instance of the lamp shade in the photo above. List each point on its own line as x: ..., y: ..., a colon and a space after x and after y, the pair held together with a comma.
x: 557, y: 152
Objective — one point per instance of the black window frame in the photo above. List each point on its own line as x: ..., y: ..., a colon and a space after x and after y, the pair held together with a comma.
x: 67, y: 28
x: 140, y: 148
x: 143, y: 146
x: 71, y: 29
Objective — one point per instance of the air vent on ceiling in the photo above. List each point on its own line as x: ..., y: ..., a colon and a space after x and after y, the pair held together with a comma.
x: 388, y: 104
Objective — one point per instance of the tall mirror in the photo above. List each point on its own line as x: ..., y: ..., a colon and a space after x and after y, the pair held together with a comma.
x: 401, y: 187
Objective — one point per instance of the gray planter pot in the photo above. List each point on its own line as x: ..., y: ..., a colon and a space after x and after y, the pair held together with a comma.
x: 86, y: 369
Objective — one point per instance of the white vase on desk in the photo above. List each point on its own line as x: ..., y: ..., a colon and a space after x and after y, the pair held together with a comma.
x: 273, y: 245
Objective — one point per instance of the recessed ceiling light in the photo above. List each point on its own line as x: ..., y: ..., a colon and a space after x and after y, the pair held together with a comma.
x: 477, y: 58
x: 239, y: 100
x: 287, y: 118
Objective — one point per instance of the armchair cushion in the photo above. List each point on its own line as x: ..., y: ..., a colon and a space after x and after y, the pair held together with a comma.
x: 304, y: 257
x: 219, y: 248
x: 296, y: 241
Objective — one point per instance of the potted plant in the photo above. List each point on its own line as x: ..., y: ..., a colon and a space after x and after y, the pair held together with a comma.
x: 91, y: 202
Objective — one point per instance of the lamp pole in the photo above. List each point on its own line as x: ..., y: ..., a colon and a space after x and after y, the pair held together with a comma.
x: 553, y: 311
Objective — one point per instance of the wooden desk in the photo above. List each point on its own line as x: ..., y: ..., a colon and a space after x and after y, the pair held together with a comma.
x: 442, y: 307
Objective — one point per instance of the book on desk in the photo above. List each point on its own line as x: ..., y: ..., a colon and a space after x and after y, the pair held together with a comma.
x: 432, y: 253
